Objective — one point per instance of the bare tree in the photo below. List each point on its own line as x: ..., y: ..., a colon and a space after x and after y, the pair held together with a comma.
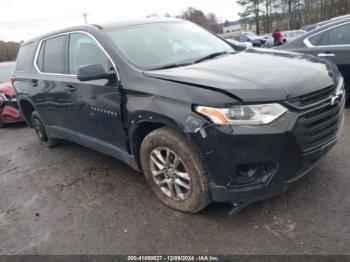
x: 289, y: 14
x: 8, y: 51
x: 251, y: 8
x: 208, y: 21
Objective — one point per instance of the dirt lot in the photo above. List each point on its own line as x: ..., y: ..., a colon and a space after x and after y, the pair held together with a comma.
x: 72, y: 200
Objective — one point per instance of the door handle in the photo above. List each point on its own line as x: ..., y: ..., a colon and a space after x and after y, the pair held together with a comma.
x: 34, y: 82
x: 326, y: 55
x: 69, y: 87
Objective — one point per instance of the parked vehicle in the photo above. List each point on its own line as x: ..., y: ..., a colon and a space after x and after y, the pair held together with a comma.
x: 9, y: 112
x: 252, y: 38
x: 330, y: 41
x: 293, y: 34
x: 238, y: 44
x: 269, y: 40
x: 202, y: 121
x: 310, y: 27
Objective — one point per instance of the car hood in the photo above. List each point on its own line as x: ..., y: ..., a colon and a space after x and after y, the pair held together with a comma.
x: 7, y: 89
x: 255, y: 75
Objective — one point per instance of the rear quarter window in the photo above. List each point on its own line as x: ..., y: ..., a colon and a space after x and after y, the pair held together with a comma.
x: 24, y: 57
x: 40, y: 61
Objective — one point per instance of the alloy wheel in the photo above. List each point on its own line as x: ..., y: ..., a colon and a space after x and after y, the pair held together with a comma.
x: 170, y: 173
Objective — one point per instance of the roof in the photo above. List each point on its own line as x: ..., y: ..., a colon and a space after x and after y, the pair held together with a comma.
x: 106, y: 26
x: 139, y: 22
x: 332, y: 22
x: 60, y: 31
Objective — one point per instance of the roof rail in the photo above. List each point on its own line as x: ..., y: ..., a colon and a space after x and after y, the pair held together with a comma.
x: 98, y: 26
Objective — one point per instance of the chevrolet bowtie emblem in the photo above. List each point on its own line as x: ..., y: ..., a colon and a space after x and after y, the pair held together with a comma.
x: 335, y: 99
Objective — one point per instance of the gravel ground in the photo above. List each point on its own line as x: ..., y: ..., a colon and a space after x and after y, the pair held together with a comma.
x: 72, y: 200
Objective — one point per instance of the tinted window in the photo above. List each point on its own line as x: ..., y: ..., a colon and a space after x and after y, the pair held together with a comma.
x: 23, y: 57
x: 339, y: 35
x: 316, y: 39
x: 83, y: 50
x: 54, y: 55
x: 40, y: 62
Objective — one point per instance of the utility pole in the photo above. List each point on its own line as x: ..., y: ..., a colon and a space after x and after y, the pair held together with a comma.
x: 85, y: 15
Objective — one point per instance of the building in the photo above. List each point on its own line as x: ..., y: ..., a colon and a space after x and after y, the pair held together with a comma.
x: 235, y: 28
x: 231, y: 27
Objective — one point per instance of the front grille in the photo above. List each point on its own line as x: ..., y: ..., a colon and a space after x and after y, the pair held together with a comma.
x: 320, y: 115
x: 318, y: 126
x: 312, y: 98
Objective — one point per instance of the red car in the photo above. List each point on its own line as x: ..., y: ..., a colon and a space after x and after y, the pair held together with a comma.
x: 9, y: 112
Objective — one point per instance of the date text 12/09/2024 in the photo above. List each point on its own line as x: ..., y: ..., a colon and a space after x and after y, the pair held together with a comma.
x: 173, y: 258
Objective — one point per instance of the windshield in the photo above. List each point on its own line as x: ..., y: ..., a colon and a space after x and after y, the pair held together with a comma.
x: 6, y: 71
x: 156, y: 45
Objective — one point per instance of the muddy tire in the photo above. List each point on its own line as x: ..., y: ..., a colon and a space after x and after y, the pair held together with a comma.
x: 174, y: 171
x: 41, y: 133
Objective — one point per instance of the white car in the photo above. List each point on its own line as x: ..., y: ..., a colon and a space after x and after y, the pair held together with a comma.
x: 240, y: 44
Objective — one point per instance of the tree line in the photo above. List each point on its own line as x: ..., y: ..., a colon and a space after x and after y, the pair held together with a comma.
x: 8, y: 51
x: 208, y: 21
x: 265, y: 15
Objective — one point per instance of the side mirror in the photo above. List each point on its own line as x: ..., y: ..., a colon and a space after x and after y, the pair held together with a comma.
x: 94, y: 72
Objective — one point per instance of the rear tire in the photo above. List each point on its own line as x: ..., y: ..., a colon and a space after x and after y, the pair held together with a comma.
x: 175, y: 171
x: 39, y: 128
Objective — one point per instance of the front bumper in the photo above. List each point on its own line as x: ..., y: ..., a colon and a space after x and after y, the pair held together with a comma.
x: 9, y: 113
x: 250, y: 163
x: 275, y: 187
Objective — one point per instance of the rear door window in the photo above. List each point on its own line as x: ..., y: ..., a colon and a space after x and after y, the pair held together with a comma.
x: 339, y: 35
x: 52, y: 55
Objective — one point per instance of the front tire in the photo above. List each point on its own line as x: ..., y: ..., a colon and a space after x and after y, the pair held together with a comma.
x: 41, y: 133
x: 174, y: 171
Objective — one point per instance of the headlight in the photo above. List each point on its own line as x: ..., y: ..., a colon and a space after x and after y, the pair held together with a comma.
x: 243, y: 115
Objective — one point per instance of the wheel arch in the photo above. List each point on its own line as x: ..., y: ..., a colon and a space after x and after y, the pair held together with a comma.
x: 143, y: 123
x: 26, y: 107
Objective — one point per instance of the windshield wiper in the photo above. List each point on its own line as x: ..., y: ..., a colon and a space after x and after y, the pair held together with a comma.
x: 212, y: 55
x: 172, y: 66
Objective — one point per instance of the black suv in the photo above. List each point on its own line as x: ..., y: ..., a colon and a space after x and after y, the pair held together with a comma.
x: 202, y: 121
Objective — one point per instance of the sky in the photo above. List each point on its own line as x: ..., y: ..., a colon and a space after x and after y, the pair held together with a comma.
x: 25, y: 19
